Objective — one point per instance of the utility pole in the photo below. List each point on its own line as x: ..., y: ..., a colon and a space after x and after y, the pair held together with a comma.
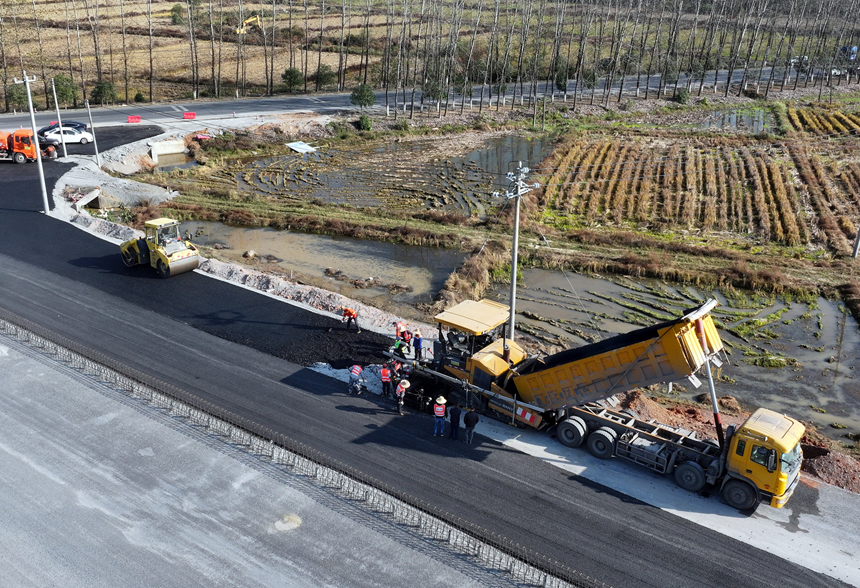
x: 26, y: 81
x: 95, y: 142
x: 518, y: 188
x: 59, y: 118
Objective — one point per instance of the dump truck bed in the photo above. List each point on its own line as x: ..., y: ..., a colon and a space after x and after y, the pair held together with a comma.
x: 667, y: 352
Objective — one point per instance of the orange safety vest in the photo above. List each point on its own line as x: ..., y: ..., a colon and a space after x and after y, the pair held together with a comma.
x: 385, y: 373
x: 349, y: 313
x: 355, y: 370
x: 398, y: 328
x: 439, y: 410
x: 400, y: 390
x: 407, y: 336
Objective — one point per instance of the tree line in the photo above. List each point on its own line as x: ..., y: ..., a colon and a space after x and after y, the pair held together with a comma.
x: 424, y: 50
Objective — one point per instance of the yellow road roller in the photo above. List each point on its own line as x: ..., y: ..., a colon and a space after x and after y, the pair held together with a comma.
x: 162, y: 248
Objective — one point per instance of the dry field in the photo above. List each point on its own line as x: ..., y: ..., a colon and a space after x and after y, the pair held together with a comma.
x: 800, y: 192
x: 125, y: 59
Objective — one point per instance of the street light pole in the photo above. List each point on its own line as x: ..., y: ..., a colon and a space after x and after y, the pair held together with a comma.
x: 517, y: 190
x: 26, y: 81
x: 59, y: 119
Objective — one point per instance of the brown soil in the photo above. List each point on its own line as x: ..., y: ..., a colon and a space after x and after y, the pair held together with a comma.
x: 820, y: 459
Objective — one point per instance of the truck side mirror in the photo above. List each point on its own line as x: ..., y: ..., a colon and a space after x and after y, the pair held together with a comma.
x: 771, y: 460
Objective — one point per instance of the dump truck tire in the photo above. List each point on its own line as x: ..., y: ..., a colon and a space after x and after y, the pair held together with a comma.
x: 601, y: 443
x: 18, y: 157
x: 739, y: 495
x: 163, y: 270
x: 571, y: 432
x: 690, y: 476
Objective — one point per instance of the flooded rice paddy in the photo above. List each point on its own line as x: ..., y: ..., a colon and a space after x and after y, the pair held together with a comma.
x: 748, y: 120
x: 434, y: 173
x: 815, y: 345
x: 382, y: 274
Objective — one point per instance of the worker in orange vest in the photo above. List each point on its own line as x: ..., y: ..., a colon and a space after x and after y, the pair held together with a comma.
x: 400, y: 394
x: 385, y: 375
x: 355, y: 379
x: 349, y: 316
x: 439, y: 417
x: 398, y: 329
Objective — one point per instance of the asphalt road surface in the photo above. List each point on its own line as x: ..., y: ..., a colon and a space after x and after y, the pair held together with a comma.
x: 246, y: 353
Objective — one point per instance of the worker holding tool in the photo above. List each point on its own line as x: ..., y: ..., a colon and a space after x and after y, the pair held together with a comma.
x: 349, y: 316
x: 355, y: 379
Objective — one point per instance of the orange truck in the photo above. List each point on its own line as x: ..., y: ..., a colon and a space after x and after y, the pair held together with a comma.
x: 20, y: 147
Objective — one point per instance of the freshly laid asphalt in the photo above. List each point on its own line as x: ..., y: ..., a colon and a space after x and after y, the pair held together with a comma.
x: 246, y: 353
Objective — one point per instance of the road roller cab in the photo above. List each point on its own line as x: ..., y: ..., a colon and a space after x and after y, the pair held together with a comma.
x: 162, y: 248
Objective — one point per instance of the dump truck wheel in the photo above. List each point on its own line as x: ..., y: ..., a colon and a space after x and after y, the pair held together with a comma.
x: 571, y: 432
x: 18, y: 157
x: 739, y: 495
x: 163, y: 270
x: 601, y: 443
x: 127, y: 258
x: 690, y: 476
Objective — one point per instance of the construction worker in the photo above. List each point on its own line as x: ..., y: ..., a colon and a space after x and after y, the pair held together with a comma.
x: 400, y: 348
x: 398, y: 329
x: 417, y: 344
x: 407, y: 340
x: 395, y: 367
x: 355, y: 379
x: 400, y: 394
x: 439, y: 417
x: 385, y: 375
x: 349, y: 316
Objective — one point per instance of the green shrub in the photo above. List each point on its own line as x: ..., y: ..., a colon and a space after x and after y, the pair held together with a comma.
x: 682, y: 95
x: 139, y: 97
x: 103, y: 93
x: 365, y: 123
x: 401, y: 125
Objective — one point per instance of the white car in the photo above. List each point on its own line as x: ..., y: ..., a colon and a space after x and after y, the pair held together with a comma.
x: 70, y: 135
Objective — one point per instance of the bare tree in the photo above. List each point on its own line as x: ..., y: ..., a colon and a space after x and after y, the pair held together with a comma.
x: 192, y: 46
x: 124, y: 48
x: 5, y: 67
x: 41, y: 54
x: 151, y: 52
x: 95, y: 31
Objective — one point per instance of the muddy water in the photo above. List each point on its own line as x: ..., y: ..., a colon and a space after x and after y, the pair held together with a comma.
x: 421, y: 270
x: 820, y: 341
x: 406, y: 175
x: 752, y: 120
x: 170, y: 161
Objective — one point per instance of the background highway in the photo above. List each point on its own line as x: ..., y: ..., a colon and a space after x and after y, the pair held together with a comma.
x: 247, y: 353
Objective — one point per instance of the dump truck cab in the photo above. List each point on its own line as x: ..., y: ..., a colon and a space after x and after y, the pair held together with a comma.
x: 20, y: 147
x: 161, y: 247
x: 764, y: 458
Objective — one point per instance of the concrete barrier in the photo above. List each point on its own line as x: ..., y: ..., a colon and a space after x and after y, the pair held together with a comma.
x: 165, y: 148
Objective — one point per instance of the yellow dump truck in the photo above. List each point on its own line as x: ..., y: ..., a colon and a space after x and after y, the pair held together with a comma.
x: 571, y: 394
x: 162, y: 248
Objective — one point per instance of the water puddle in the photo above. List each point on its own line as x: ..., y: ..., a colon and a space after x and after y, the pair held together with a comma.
x: 422, y: 271
x: 750, y: 120
x: 174, y: 161
x: 818, y: 344
x: 426, y: 173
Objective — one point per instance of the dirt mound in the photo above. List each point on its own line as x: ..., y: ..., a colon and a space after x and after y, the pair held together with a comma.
x: 832, y: 467
x: 820, y: 461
